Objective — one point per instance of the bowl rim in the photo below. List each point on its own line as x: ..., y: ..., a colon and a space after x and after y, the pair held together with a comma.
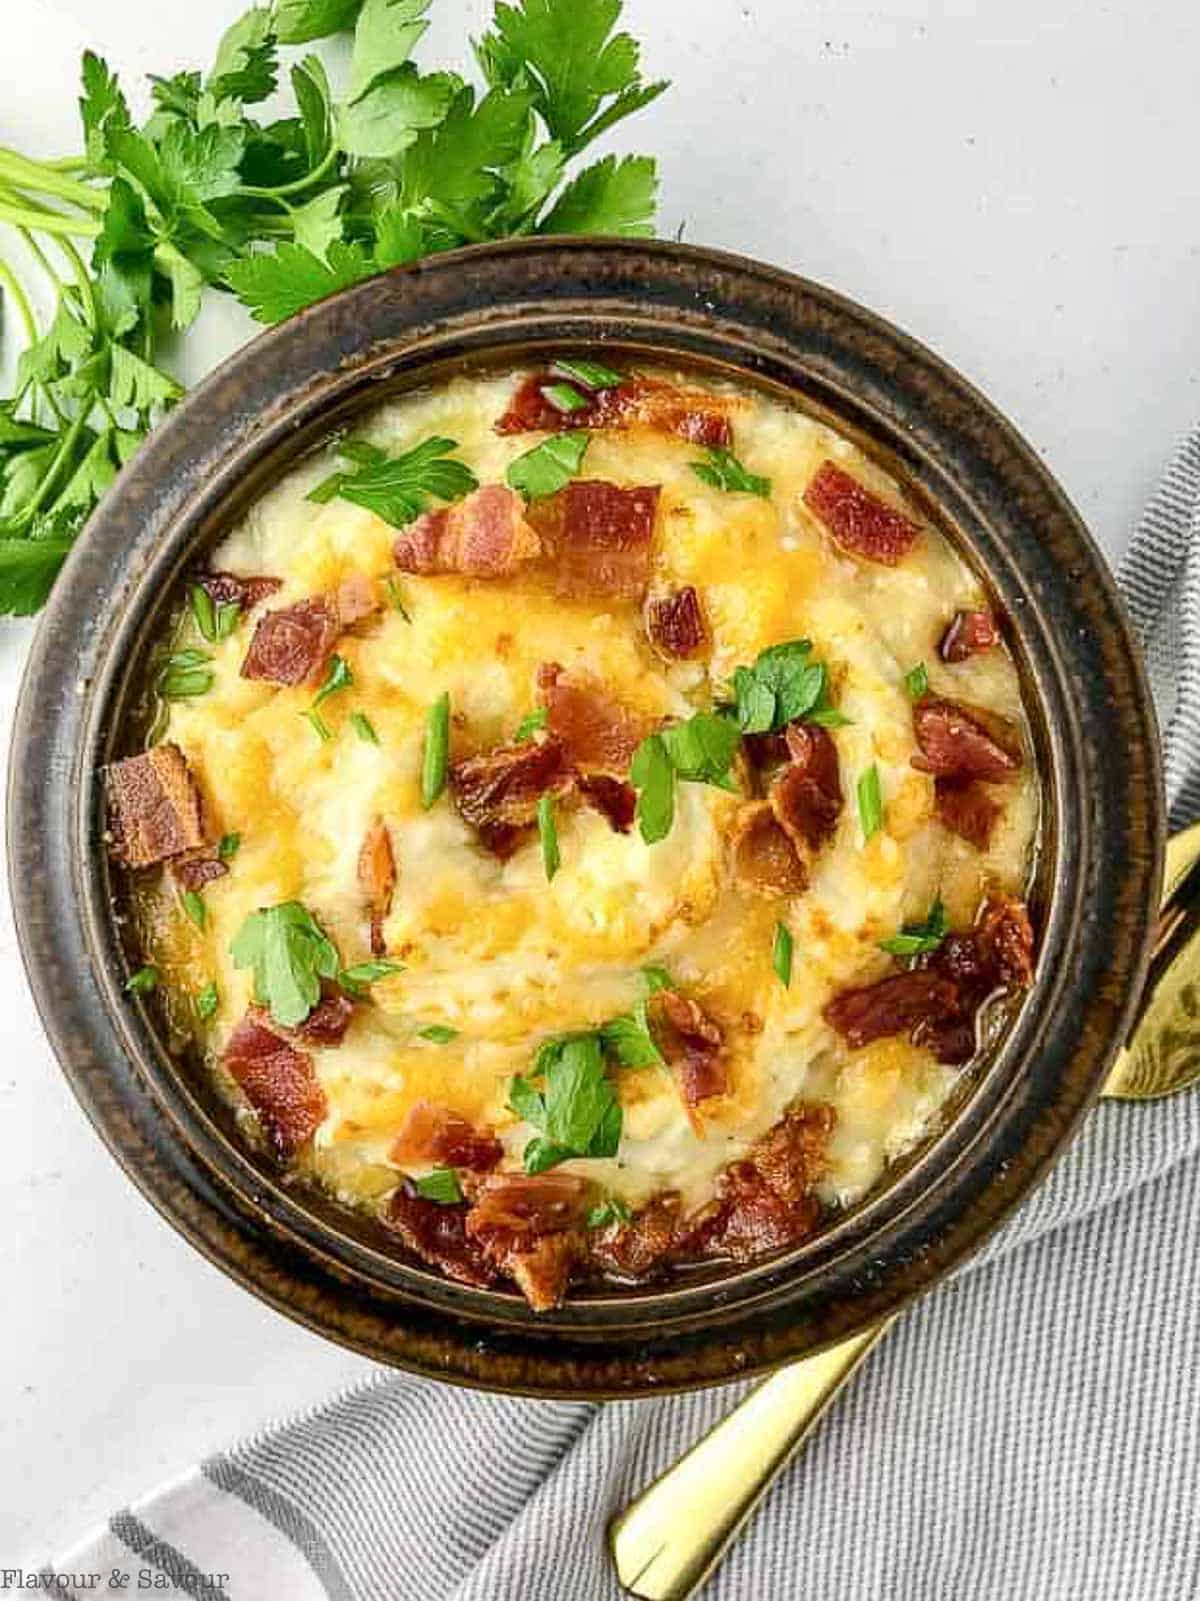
x: 272, y: 400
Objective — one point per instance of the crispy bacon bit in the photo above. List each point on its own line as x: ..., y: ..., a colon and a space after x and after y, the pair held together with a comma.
x: 194, y: 872
x: 497, y: 792
x: 692, y: 1043
x: 965, y: 807
x: 595, y: 732
x: 528, y: 1204
x: 485, y: 535
x: 356, y: 599
x: 633, y: 1249
x: 225, y: 589
x: 155, y: 806
x: 961, y: 741
x: 765, y: 859
x: 292, y: 645
x: 806, y: 797
x: 689, y: 414
x: 279, y: 1082
x: 612, y: 797
x: 329, y: 1019
x: 969, y: 632
x: 936, y: 1004
x: 541, y: 1270
x: 438, y: 1235
x: 675, y: 623
x: 377, y: 879
x: 766, y: 1201
x: 861, y: 523
x: 598, y: 537
x: 433, y: 1133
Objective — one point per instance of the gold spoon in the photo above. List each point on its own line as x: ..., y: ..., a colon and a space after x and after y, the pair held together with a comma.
x: 667, y: 1542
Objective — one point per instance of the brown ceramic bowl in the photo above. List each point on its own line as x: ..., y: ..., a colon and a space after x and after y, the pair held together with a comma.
x: 1096, y: 879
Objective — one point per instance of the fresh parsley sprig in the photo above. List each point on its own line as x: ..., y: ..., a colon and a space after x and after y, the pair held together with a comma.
x: 700, y: 750
x: 550, y: 466
x: 397, y: 488
x: 918, y: 939
x: 784, y: 685
x: 290, y: 954
x: 576, y: 1111
x: 724, y: 471
x: 391, y: 166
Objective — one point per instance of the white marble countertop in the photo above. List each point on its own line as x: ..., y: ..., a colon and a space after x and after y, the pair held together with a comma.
x: 1012, y: 182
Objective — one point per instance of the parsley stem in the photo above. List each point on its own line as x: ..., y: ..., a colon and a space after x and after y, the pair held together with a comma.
x: 20, y: 171
x: 16, y: 210
x: 61, y: 455
x: 437, y: 751
x: 323, y: 166
x: 12, y: 284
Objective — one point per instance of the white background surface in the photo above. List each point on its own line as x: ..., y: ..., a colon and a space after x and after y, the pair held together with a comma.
x: 1014, y: 181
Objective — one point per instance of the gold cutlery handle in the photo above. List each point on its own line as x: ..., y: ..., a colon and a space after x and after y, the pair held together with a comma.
x: 666, y: 1543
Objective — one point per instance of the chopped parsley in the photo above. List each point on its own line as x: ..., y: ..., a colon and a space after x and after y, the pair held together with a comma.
x: 530, y: 723
x: 591, y: 374
x: 611, y: 1210
x: 207, y: 1001
x: 441, y: 1185
x: 397, y: 488
x: 228, y: 846
x: 195, y: 908
x: 781, y: 954
x: 364, y: 728
x: 870, y: 802
x: 337, y: 676
x: 143, y: 981
x: 185, y: 674
x: 548, y: 467
x: 724, y: 471
x: 917, y: 939
x: 575, y: 1111
x: 436, y: 761
x: 628, y: 1038
x: 548, y: 834
x: 784, y: 684
x: 215, y: 621
x: 916, y: 681
x: 699, y: 750
x: 355, y: 979
x: 657, y: 978
x: 564, y: 397
x: 290, y: 954
x: 438, y: 1034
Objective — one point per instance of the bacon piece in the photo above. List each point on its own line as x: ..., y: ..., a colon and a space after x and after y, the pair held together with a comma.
x: 793, y: 1156
x: 936, y: 1004
x: 377, y: 879
x: 329, y: 1019
x: 689, y: 414
x: 528, y: 1204
x: 692, y: 1043
x: 541, y: 1270
x: 612, y: 797
x: 765, y: 859
x: 860, y: 523
x: 965, y: 807
x: 438, y: 1235
x: 356, y: 599
x: 969, y: 632
x: 807, y: 797
x: 293, y: 645
x: 279, y: 1082
x: 485, y: 535
x: 635, y: 1248
x: 195, y: 872
x: 497, y: 792
x: 155, y: 806
x: 595, y: 732
x: 433, y: 1133
x: 598, y: 537
x: 226, y: 589
x: 675, y: 623
x: 961, y: 741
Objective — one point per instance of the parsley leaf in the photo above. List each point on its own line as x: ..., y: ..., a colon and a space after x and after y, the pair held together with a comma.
x: 357, y: 978
x: 279, y: 284
x: 228, y: 846
x: 440, y: 1185
x: 184, y: 675
x: 530, y: 723
x: 781, y: 954
x: 783, y: 685
x: 628, y: 1038
x: 657, y: 978
x: 611, y: 1210
x: 611, y: 196
x: 290, y: 955
x: 548, y: 834
x: 724, y: 471
x: 438, y: 1034
x: 298, y: 21
x: 870, y: 803
x: 550, y: 466
x: 700, y: 750
x: 576, y: 1112
x: 398, y: 488
x: 916, y: 681
x: 142, y: 982
x: 435, y: 762
x: 653, y: 776
x: 916, y: 939
x: 207, y: 1001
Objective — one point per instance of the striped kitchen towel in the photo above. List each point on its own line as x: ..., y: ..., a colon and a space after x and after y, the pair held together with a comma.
x: 1031, y: 1429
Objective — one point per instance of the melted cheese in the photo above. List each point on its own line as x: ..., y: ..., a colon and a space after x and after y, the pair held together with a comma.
x: 490, y: 948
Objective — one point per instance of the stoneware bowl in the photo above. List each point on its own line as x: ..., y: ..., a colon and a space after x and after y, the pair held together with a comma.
x: 1096, y: 880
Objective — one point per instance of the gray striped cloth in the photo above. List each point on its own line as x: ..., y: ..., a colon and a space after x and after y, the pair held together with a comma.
x: 1030, y: 1430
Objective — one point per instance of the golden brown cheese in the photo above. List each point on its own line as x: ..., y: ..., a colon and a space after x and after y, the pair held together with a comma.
x: 493, y: 951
